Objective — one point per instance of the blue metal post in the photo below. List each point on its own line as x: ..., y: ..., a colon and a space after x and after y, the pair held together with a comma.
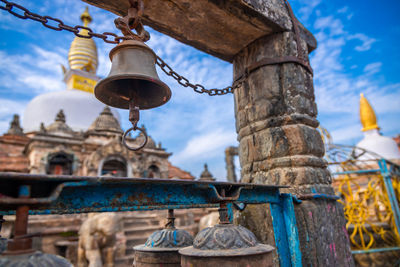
x: 390, y: 191
x: 291, y: 229
x: 229, y: 206
x: 285, y: 232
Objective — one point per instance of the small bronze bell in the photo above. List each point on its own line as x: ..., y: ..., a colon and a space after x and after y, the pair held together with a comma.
x: 133, y: 78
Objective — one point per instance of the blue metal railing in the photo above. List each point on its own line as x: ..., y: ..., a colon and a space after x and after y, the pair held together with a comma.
x: 72, y: 194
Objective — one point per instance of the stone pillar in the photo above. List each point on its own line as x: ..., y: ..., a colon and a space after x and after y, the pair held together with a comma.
x: 276, y: 123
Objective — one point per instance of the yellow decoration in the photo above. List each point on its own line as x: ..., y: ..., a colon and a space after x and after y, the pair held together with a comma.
x: 367, y: 115
x: 81, y: 83
x: 83, y: 52
x: 367, y: 210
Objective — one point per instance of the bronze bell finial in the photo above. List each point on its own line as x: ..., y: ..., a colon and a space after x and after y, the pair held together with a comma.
x: 133, y: 82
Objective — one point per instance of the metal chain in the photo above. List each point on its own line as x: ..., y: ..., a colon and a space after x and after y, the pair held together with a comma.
x: 47, y: 21
x: 198, y: 88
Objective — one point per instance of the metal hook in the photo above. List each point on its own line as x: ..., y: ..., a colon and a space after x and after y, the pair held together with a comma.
x: 133, y: 21
x: 134, y: 129
x: 134, y: 119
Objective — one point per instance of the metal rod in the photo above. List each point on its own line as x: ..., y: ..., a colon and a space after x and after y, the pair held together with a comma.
x: 21, y: 243
x: 391, y: 193
x: 171, y: 219
x: 374, y: 250
x: 316, y: 196
x: 356, y: 172
x: 21, y: 221
x: 223, y: 210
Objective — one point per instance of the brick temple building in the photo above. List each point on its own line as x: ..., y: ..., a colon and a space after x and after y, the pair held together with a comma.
x: 98, y: 151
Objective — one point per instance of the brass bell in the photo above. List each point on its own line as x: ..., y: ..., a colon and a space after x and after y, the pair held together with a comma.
x: 133, y: 78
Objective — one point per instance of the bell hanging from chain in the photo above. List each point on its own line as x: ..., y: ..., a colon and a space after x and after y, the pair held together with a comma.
x: 133, y: 82
x: 133, y: 78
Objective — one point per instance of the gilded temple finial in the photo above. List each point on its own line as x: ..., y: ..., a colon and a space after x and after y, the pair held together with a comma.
x: 85, y: 17
x: 367, y: 115
x: 83, y: 52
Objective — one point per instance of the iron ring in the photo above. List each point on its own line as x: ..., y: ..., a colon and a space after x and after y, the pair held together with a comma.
x: 134, y: 129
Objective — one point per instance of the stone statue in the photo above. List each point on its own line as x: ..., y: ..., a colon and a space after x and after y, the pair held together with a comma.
x: 97, y: 240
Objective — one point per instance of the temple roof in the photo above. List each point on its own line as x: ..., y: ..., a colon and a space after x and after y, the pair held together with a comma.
x: 206, y: 174
x: 59, y: 126
x: 15, y: 127
x: 177, y: 173
x: 106, y: 122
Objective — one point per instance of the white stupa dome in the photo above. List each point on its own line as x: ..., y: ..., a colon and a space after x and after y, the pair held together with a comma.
x: 382, y: 146
x: 373, y: 141
x: 80, y: 109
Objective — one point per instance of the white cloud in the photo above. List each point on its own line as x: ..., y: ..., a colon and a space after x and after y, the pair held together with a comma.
x: 366, y: 42
x: 347, y: 133
x: 333, y: 26
x: 349, y: 16
x: 205, y: 146
x: 37, y: 69
x: 308, y: 8
x: 373, y: 68
x: 343, y: 9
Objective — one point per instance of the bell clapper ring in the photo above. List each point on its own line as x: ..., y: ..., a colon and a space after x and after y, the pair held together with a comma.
x: 134, y: 119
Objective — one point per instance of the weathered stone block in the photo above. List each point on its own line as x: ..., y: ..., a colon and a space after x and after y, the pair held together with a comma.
x: 266, y: 80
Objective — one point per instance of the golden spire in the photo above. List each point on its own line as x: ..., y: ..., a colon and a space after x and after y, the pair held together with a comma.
x: 83, y: 52
x: 85, y: 17
x: 367, y: 115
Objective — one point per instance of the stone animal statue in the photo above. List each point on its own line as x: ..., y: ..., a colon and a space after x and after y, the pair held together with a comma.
x: 97, y: 239
x: 209, y: 220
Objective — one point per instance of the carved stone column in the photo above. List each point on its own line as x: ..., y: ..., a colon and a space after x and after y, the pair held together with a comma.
x: 276, y: 123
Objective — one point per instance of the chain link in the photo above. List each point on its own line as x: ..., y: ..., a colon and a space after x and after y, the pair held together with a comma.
x: 111, y: 38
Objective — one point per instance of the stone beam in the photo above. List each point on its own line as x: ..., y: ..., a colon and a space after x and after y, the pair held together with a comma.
x: 221, y: 28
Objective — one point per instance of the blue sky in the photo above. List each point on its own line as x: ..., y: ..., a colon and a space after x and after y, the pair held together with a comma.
x: 357, y: 52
